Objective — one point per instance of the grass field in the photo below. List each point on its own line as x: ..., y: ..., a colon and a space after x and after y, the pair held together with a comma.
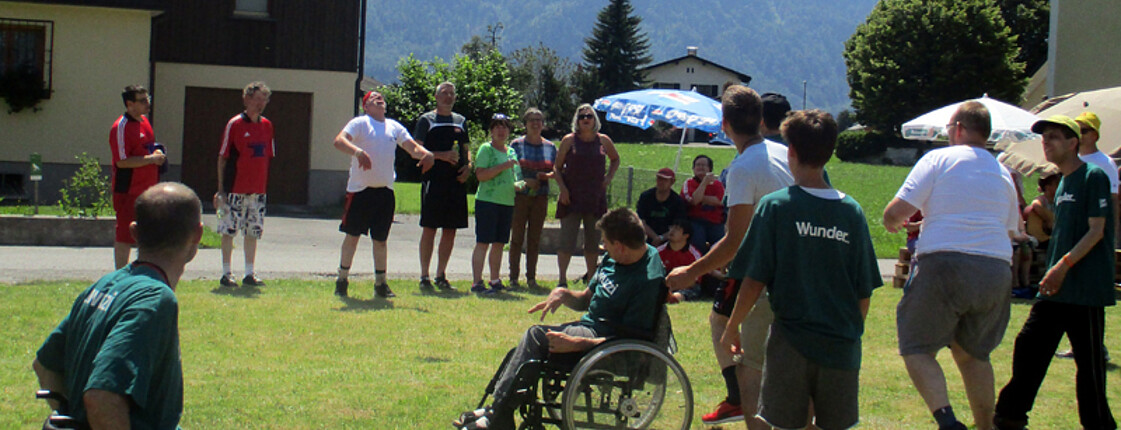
x: 291, y: 356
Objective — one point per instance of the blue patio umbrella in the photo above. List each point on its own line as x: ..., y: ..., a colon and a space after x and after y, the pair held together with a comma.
x: 685, y: 109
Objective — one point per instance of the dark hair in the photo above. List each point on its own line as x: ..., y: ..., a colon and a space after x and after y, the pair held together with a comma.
x: 130, y: 92
x: 1045, y: 180
x: 167, y: 215
x: 743, y: 109
x: 975, y: 116
x: 775, y: 108
x: 704, y: 157
x: 623, y: 225
x: 685, y: 225
x: 812, y: 134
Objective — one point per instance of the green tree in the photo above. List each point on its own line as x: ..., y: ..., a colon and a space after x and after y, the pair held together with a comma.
x: 1030, y: 22
x: 912, y: 56
x: 542, y: 76
x: 616, y: 52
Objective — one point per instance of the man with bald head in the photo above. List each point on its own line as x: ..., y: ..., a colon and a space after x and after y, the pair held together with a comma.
x: 115, y: 357
x: 958, y: 294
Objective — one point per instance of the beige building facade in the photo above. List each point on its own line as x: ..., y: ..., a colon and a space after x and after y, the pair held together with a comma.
x: 691, y: 71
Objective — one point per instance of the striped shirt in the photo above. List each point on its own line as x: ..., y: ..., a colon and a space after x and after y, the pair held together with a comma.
x: 534, y: 159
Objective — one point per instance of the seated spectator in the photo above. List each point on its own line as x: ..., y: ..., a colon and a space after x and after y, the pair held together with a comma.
x: 677, y: 252
x: 659, y: 207
x: 624, y: 290
x: 1040, y: 214
x: 703, y: 194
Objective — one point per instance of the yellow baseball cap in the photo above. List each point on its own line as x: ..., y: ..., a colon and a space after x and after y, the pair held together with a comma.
x: 1089, y: 119
x: 1059, y: 120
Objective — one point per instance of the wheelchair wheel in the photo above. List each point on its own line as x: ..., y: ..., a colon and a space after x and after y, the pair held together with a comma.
x: 628, y: 385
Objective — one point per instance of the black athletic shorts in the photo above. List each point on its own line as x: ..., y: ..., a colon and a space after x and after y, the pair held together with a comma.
x: 724, y: 298
x: 443, y: 204
x: 369, y: 211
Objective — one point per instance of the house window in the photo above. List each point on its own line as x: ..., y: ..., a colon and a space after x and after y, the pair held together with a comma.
x: 251, y: 8
x: 666, y: 86
x: 25, y: 48
x: 708, y: 90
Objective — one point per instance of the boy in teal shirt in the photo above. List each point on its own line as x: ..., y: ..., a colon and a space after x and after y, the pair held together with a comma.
x: 809, y: 246
x: 496, y: 167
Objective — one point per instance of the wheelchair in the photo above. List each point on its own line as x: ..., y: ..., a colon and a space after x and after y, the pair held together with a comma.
x: 57, y: 420
x: 630, y: 381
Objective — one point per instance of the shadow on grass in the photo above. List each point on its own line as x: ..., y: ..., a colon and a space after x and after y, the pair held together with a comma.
x: 243, y: 292
x: 431, y: 359
x: 1111, y: 367
x: 351, y: 304
x: 443, y: 294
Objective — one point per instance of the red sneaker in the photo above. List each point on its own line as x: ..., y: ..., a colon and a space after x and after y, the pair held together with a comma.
x: 724, y: 413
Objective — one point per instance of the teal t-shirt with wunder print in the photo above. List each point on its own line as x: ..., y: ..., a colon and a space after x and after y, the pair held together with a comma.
x: 1082, y: 195
x: 815, y: 255
x: 122, y: 336
x: 499, y: 189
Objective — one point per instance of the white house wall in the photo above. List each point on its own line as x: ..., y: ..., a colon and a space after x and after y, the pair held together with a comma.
x: 97, y: 52
x: 702, y: 74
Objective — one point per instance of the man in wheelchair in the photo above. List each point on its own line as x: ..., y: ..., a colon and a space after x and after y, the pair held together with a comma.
x: 624, y: 291
x: 113, y: 362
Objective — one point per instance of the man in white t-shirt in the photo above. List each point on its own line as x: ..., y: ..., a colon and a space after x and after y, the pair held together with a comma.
x: 958, y: 293
x: 372, y: 140
x: 759, y: 169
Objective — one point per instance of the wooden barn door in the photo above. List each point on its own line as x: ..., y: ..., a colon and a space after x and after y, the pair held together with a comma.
x: 206, y: 111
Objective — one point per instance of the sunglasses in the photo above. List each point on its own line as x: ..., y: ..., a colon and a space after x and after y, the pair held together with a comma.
x: 499, y: 116
x: 585, y: 116
x: 1086, y: 130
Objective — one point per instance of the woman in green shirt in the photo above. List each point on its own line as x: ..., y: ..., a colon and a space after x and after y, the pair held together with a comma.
x: 496, y: 167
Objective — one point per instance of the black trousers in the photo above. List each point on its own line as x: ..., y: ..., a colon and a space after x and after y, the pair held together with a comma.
x: 1035, y: 347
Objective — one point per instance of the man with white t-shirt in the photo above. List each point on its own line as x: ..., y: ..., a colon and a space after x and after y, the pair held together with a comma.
x: 958, y: 293
x: 760, y: 168
x: 372, y: 140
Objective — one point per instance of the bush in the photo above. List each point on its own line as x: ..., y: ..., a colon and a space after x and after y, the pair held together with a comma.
x: 86, y: 194
x: 853, y: 145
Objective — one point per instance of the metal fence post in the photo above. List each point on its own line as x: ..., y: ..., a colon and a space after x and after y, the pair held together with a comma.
x: 630, y: 183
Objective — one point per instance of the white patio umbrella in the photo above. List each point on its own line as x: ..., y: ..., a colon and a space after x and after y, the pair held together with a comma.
x: 1009, y: 122
x: 1027, y: 156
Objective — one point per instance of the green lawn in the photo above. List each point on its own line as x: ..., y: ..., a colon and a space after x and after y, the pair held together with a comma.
x: 292, y: 356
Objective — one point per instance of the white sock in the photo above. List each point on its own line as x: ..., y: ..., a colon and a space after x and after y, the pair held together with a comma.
x: 249, y: 269
x: 343, y: 273
x: 379, y: 278
x: 226, y: 269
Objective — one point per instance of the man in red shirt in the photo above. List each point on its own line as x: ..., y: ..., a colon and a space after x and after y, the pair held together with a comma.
x: 243, y: 173
x: 136, y: 164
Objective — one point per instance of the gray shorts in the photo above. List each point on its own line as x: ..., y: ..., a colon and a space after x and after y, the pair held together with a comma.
x: 570, y: 225
x: 954, y: 297
x: 790, y: 381
x: 753, y: 332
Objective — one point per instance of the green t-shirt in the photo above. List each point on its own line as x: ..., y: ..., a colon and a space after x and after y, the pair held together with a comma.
x: 815, y: 255
x: 500, y: 189
x: 1082, y: 195
x: 626, y: 294
x: 122, y: 336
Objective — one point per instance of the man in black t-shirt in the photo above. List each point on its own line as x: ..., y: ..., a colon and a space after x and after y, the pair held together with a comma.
x: 659, y: 207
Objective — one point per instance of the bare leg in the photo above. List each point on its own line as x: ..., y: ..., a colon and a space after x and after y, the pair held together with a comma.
x: 563, y: 257
x: 350, y: 246
x: 250, y: 250
x: 494, y: 260
x: 447, y: 243
x: 121, y: 252
x: 477, y: 256
x: 380, y: 253
x: 227, y: 250
x: 716, y: 323
x: 929, y: 380
x: 427, y: 242
x: 751, y: 380
x: 979, y: 386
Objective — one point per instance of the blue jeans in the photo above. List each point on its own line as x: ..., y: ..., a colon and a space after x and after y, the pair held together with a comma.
x: 704, y: 234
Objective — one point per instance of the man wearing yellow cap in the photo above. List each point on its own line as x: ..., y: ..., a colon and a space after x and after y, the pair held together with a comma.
x: 1073, y: 293
x: 1089, y: 124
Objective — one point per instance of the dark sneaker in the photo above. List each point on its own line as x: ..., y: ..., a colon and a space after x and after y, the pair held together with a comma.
x: 479, y: 287
x: 443, y: 284
x: 426, y: 285
x: 532, y: 284
x: 383, y: 291
x: 495, y: 287
x: 341, y: 287
x: 1065, y: 354
x: 227, y: 281
x: 514, y: 284
x: 251, y: 280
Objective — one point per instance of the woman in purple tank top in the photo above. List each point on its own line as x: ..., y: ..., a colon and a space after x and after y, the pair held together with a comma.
x: 582, y: 177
